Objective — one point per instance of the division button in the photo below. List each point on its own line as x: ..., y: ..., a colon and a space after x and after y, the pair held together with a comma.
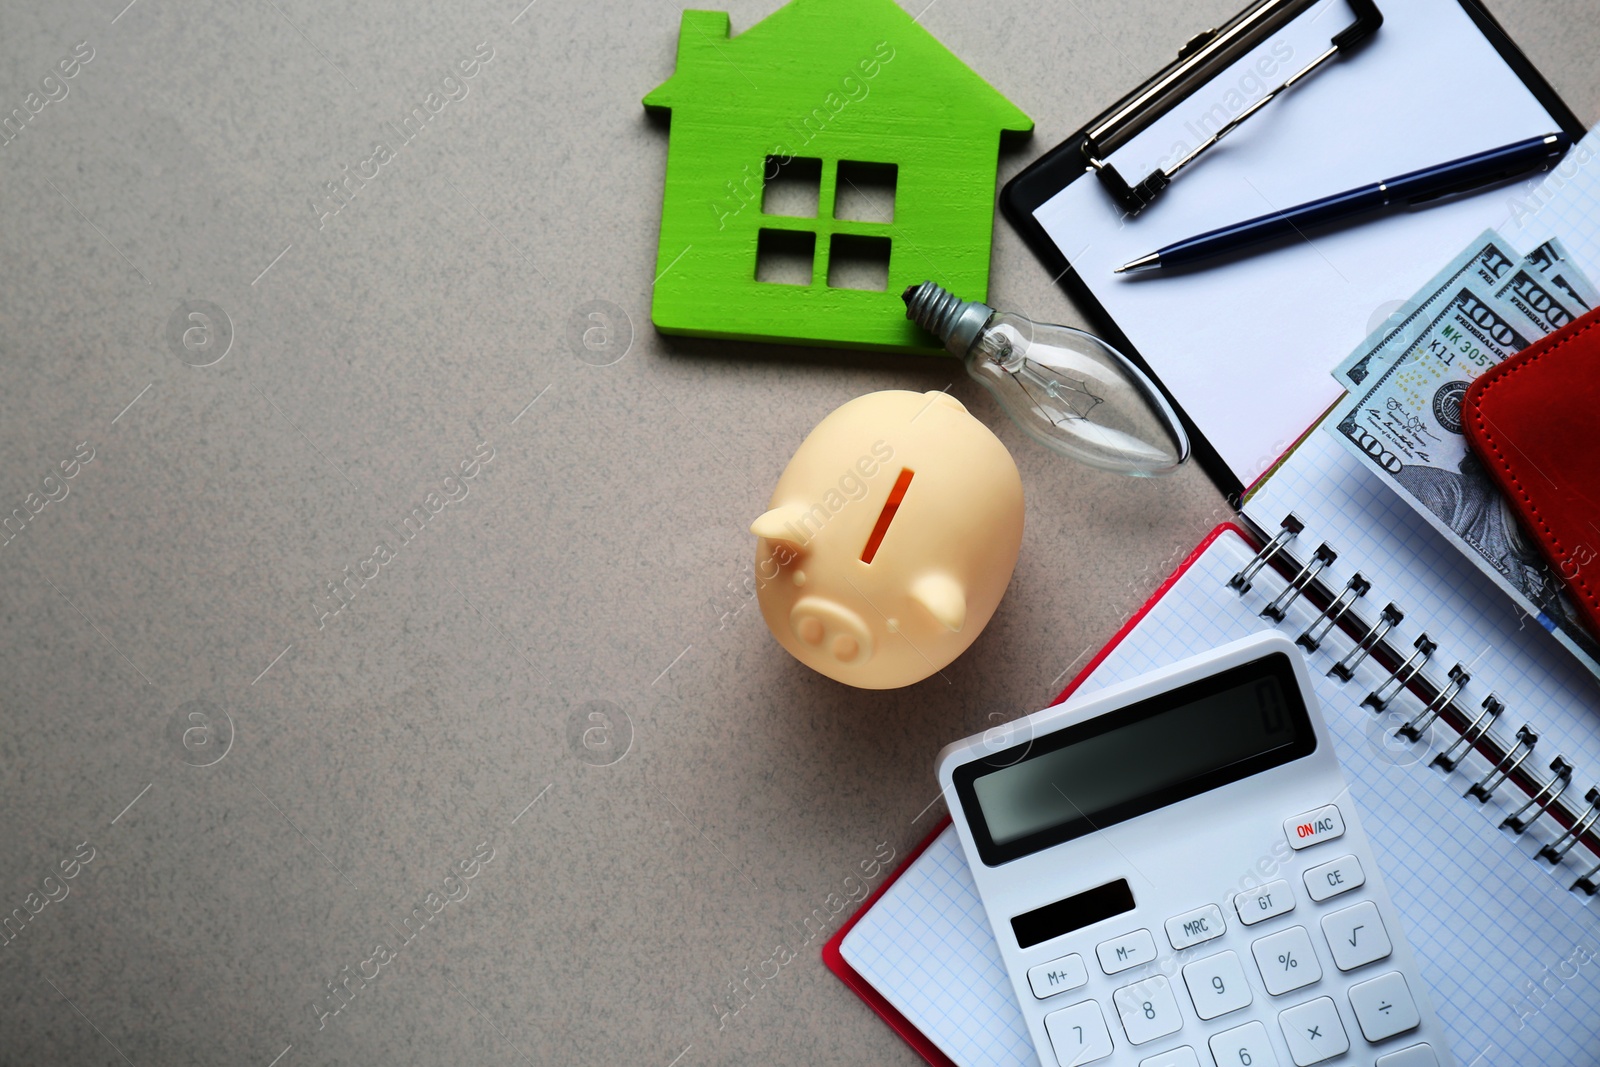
x: 1356, y: 936
x: 1078, y: 1034
x: 1058, y: 976
x: 1314, y: 1032
x: 1334, y: 877
x: 1384, y: 1007
x: 1314, y: 827
x: 1129, y: 950
x: 1194, y: 927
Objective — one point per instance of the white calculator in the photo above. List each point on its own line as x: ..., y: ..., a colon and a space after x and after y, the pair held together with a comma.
x: 1177, y: 877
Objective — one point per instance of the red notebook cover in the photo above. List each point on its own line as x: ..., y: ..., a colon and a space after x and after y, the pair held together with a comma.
x: 1534, y: 421
x: 830, y: 951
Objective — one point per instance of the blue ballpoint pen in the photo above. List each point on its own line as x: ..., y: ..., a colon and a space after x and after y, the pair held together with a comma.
x: 1429, y: 183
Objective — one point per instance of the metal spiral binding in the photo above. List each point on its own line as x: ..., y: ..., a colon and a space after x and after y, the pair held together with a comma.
x: 1340, y: 610
x: 1402, y: 675
x: 1557, y: 850
x: 1448, y: 760
x: 1414, y: 729
x: 1587, y: 882
x: 1321, y: 560
x: 1291, y: 527
x: 1484, y: 787
x: 1356, y: 588
x: 1542, y: 799
x: 1345, y: 669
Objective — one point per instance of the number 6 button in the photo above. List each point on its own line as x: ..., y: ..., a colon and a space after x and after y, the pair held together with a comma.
x: 1217, y: 985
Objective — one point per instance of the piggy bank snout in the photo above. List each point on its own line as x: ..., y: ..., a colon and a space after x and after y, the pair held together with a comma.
x: 831, y: 629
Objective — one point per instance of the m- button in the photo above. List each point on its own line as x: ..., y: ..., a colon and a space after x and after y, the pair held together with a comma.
x: 1314, y: 827
x: 1129, y: 950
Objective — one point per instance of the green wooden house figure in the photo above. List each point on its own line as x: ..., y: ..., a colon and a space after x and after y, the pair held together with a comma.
x: 819, y: 163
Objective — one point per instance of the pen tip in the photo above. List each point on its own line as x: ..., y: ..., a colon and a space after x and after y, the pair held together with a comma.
x: 1147, y: 262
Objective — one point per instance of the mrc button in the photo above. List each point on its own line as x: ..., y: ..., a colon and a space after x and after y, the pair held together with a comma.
x: 1323, y: 824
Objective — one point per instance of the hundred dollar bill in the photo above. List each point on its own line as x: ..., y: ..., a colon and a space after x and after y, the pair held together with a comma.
x: 1404, y: 424
x: 1540, y: 304
x: 1486, y: 260
x: 1551, y: 260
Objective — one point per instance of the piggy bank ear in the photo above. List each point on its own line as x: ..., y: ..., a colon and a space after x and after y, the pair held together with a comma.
x: 944, y: 598
x: 782, y: 524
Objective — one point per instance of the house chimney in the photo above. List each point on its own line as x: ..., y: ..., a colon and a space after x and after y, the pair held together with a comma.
x: 699, y: 34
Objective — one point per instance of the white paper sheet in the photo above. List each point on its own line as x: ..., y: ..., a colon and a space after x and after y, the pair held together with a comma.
x: 1245, y: 346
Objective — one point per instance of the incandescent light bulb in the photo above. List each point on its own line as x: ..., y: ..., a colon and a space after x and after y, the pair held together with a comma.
x: 1069, y: 390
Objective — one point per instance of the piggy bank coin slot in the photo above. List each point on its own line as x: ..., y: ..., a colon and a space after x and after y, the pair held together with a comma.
x: 886, y: 516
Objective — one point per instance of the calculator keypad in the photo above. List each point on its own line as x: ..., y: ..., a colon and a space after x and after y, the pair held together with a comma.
x: 1287, y: 956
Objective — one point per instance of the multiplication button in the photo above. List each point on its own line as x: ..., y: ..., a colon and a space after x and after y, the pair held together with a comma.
x: 1314, y: 1032
x: 1058, y: 976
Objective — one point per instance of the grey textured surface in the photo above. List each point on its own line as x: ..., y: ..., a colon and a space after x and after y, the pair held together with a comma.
x: 599, y: 556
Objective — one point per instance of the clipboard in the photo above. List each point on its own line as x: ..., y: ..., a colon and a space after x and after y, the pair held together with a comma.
x: 1059, y: 183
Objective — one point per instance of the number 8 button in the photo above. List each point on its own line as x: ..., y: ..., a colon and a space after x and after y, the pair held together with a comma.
x: 1148, y: 1009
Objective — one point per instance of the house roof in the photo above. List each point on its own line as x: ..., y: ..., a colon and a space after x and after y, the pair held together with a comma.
x: 781, y: 60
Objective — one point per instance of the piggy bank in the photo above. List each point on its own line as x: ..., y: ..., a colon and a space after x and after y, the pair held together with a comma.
x: 890, y: 538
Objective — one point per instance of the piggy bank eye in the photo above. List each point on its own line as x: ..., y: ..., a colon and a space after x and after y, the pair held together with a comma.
x: 886, y: 516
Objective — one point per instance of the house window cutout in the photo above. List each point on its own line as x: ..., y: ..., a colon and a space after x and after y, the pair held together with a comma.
x: 791, y: 188
x: 786, y: 257
x: 865, y: 191
x: 857, y: 262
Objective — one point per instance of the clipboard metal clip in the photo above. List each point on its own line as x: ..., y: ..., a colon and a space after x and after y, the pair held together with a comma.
x: 1199, y: 60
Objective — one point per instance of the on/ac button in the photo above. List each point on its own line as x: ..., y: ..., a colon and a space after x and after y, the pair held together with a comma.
x: 1323, y: 824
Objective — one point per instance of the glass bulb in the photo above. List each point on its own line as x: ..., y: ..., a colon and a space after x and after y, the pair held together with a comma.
x: 1067, y: 389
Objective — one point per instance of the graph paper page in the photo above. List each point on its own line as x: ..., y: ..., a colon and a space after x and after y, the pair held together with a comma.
x: 1510, y: 955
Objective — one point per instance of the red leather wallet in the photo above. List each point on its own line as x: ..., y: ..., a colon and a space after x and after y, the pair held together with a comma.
x: 1534, y: 421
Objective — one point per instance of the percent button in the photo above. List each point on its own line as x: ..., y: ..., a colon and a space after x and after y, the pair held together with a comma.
x: 1287, y: 960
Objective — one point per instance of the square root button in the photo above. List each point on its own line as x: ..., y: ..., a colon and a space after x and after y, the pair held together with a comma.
x: 1314, y: 827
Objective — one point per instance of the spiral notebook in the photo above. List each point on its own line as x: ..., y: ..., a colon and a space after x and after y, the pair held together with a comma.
x: 1484, y: 821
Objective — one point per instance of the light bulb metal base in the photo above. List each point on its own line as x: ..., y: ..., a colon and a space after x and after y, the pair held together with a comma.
x: 952, y: 320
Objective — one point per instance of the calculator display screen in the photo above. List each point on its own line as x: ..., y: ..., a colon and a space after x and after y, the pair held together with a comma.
x: 1127, y: 762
